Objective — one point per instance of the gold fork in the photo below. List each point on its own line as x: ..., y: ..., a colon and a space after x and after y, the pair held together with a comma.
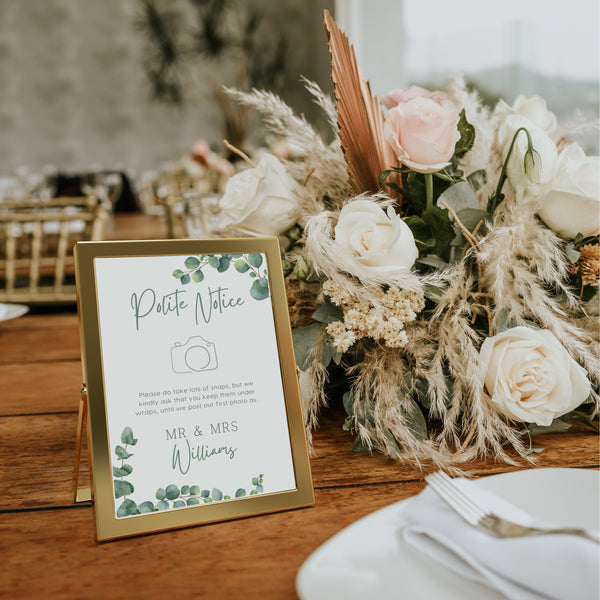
x: 482, y: 518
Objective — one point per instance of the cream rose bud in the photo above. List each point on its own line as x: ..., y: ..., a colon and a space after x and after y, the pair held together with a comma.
x: 260, y: 201
x: 530, y: 377
x: 376, y: 239
x: 572, y: 205
x: 423, y: 133
x: 521, y: 172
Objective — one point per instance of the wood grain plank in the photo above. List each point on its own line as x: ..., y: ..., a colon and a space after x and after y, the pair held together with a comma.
x: 52, y: 554
x: 40, y: 387
x: 36, y: 461
x: 40, y: 338
x: 333, y: 463
x: 37, y: 451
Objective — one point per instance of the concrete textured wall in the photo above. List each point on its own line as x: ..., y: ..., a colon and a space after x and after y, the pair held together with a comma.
x: 73, y: 93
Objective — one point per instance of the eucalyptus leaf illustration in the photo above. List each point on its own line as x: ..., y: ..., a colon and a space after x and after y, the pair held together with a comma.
x: 260, y: 289
x: 123, y: 488
x: 127, y: 509
x: 251, y: 264
x: 169, y: 497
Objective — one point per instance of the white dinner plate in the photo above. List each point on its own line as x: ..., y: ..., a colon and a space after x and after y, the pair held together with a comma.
x: 12, y: 311
x: 369, y: 560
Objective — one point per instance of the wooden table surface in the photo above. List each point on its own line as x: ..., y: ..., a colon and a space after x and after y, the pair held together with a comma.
x: 47, y: 541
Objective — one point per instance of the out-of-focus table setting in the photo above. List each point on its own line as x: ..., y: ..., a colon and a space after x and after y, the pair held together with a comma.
x: 48, y: 544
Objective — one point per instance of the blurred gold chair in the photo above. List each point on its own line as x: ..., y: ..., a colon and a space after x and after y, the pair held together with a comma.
x: 36, y: 247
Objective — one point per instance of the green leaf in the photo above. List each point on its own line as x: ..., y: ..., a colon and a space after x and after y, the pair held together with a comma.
x: 185, y: 490
x: 185, y: 279
x: 477, y: 179
x: 146, y: 507
x: 214, y: 261
x: 415, y: 420
x: 255, y: 481
x: 240, y: 493
x: 328, y: 313
x: 122, y: 471
x: 122, y: 488
x: 197, y: 276
x: 127, y: 437
x: 359, y: 446
x: 191, y: 263
x: 127, y: 508
x: 255, y: 260
x: 195, y: 490
x: 503, y: 321
x: 348, y: 403
x: 287, y: 267
x: 193, y: 501
x: 458, y: 197
x: 301, y: 269
x: 349, y: 424
x: 161, y: 494
x: 223, y: 265
x: 572, y: 254
x: 241, y: 266
x: 162, y: 505
x: 260, y: 289
x: 433, y: 292
x: 531, y: 451
x: 179, y: 504
x: 304, y: 339
x: 172, y: 492
x: 441, y: 229
x: 178, y: 273
x: 216, y: 494
x: 259, y: 488
x: 432, y: 261
x: 419, y: 230
x: 121, y: 452
x: 205, y: 493
x: 557, y: 426
x: 467, y: 136
x: 470, y: 217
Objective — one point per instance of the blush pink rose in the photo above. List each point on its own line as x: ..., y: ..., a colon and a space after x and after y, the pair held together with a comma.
x: 396, y: 96
x: 423, y: 133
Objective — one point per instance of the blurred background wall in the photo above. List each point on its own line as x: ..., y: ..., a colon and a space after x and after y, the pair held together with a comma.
x: 74, y: 93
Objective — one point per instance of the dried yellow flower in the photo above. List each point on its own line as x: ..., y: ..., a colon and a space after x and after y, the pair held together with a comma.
x: 383, y: 318
x: 588, y: 264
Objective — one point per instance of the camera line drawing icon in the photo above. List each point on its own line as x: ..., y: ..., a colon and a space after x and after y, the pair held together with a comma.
x: 194, y: 356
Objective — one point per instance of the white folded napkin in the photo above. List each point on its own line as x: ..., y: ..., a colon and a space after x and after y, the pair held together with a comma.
x: 2, y: 311
x: 564, y: 567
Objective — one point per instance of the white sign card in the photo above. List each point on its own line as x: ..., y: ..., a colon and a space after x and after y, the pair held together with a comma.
x: 193, y: 402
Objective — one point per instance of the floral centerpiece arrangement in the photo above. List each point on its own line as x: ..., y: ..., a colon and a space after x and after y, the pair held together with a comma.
x: 442, y: 263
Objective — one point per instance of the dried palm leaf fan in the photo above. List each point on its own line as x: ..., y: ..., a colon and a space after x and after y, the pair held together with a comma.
x: 360, y: 118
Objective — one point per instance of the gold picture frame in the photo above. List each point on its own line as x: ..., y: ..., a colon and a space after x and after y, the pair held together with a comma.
x: 192, y: 389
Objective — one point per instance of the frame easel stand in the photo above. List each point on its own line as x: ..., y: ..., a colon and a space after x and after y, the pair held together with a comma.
x: 83, y: 494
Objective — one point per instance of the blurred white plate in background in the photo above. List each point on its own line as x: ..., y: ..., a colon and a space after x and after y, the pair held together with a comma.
x: 12, y: 311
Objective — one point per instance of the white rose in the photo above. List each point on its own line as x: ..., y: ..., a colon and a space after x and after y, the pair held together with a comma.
x: 374, y: 238
x: 530, y: 377
x: 533, y: 108
x: 572, y: 205
x: 539, y: 168
x: 260, y: 201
